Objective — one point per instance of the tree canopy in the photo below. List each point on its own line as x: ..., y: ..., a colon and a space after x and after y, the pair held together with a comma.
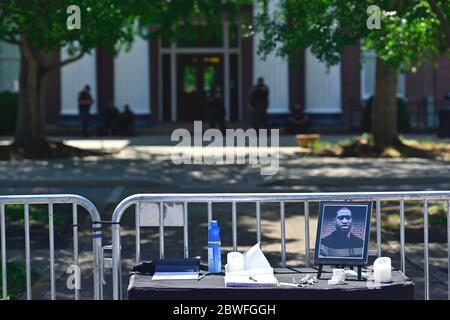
x: 410, y: 33
x: 40, y: 28
x: 104, y: 23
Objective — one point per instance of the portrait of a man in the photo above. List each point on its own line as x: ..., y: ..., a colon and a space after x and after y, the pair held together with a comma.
x: 343, y: 232
x: 342, y: 242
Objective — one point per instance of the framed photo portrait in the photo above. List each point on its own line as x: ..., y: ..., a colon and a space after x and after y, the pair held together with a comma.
x: 343, y: 233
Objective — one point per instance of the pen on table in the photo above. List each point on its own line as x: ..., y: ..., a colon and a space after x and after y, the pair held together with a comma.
x: 252, y: 279
x: 287, y: 284
x: 201, y: 277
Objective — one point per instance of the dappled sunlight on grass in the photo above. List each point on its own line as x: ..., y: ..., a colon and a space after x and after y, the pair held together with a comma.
x: 414, y: 221
x: 363, y: 147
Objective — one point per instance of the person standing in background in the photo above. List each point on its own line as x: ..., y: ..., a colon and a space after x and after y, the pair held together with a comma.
x: 259, y: 103
x: 216, y: 109
x: 85, y: 102
x: 109, y: 116
x: 126, y: 119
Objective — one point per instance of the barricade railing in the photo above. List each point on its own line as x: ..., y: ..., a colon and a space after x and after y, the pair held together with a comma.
x: 282, y: 199
x: 51, y: 200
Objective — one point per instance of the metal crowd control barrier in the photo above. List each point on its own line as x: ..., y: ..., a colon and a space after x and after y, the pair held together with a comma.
x: 51, y: 200
x: 282, y: 199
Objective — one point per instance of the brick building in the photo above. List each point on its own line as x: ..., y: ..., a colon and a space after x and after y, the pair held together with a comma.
x: 164, y: 82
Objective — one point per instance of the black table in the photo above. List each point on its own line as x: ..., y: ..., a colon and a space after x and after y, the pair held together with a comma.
x: 212, y: 287
x: 444, y: 122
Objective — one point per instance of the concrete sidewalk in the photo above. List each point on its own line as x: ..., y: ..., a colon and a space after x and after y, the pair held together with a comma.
x: 118, y: 142
x: 135, y: 163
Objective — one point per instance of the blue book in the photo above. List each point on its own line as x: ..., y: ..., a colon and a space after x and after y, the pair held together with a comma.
x: 176, y: 269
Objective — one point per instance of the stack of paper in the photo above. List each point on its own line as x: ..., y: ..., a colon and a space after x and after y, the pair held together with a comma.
x: 251, y: 278
x: 257, y: 271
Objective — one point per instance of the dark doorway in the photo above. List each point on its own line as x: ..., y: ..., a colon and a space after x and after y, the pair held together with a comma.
x: 196, y: 75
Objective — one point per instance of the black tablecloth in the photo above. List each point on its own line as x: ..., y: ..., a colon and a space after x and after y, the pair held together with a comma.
x: 212, y: 287
x: 444, y: 122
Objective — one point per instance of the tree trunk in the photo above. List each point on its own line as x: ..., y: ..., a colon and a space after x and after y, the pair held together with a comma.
x: 30, y: 132
x: 384, y: 111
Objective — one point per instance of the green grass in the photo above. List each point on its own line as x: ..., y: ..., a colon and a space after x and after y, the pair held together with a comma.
x: 321, y: 145
x: 318, y: 145
x: 17, y: 279
x: 424, y: 142
x: 38, y: 215
x: 437, y: 214
x: 363, y: 146
x: 414, y: 221
x: 440, y: 220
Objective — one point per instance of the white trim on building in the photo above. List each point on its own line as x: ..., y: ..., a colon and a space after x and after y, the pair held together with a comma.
x: 322, y: 86
x: 132, y: 78
x: 274, y: 70
x: 368, y: 73
x: 74, y: 77
x: 9, y: 67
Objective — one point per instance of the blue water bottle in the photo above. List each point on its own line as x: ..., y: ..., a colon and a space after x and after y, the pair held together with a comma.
x: 214, y: 259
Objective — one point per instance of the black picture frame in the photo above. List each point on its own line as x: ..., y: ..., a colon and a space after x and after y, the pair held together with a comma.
x: 331, y: 245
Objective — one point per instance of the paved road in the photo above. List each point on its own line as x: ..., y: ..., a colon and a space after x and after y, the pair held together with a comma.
x: 151, y: 167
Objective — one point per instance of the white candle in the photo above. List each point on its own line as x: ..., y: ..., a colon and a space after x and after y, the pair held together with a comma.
x: 382, y: 270
x: 235, y: 261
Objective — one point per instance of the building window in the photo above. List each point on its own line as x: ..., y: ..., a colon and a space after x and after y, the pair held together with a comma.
x: 368, y: 73
x: 9, y: 67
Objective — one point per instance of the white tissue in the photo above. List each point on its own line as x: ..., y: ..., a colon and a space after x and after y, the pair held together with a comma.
x: 254, y: 259
x: 338, y: 277
x: 352, y: 273
x: 235, y: 261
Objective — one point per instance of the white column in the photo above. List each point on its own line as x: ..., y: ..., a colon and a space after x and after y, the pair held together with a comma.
x: 368, y: 75
x: 322, y: 87
x: 74, y: 77
x: 240, y: 91
x: 173, y: 84
x: 368, y: 61
x: 226, y: 71
x: 9, y: 67
x: 275, y: 71
x: 132, y: 78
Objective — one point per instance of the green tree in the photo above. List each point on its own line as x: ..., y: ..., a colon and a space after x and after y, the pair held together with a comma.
x: 413, y: 32
x: 39, y: 29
